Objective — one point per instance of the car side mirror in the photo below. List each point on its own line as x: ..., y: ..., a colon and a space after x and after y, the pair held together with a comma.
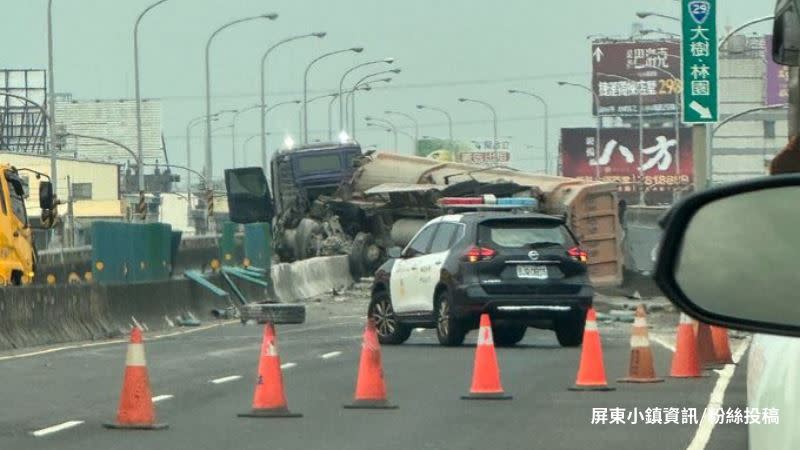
x: 395, y: 252
x: 786, y: 33
x: 46, y: 195
x: 728, y: 255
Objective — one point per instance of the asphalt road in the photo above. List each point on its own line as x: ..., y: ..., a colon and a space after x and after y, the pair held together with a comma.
x: 425, y: 380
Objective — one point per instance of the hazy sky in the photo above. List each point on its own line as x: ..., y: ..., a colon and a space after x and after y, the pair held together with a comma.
x: 447, y: 49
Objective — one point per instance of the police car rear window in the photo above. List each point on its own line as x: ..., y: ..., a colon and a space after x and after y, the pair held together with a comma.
x: 522, y: 234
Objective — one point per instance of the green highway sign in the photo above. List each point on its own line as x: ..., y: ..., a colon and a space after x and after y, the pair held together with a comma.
x: 699, y: 61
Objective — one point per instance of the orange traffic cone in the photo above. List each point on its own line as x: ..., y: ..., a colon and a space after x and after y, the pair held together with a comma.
x: 136, y: 400
x: 269, y: 399
x: 641, y: 366
x: 485, y: 373
x: 705, y: 346
x: 722, y: 348
x: 591, y: 373
x: 370, y: 386
x: 685, y: 363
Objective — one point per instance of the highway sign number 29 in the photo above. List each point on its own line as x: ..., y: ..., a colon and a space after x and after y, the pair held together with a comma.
x: 700, y: 64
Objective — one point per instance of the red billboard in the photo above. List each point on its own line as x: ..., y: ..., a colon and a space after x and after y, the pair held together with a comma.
x: 622, y: 70
x: 656, y: 167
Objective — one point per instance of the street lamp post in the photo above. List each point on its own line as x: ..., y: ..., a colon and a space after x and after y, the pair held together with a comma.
x: 51, y: 104
x: 341, y: 84
x: 192, y: 123
x: 333, y: 96
x: 348, y: 100
x: 361, y: 81
x: 208, y: 158
x: 387, y: 123
x: 391, y: 130
x: 446, y: 114
x: 330, y: 116
x: 546, y: 125
x: 266, y: 112
x: 305, y: 84
x: 264, y: 90
x: 597, y: 145
x: 414, y: 121
x: 645, y: 14
x: 233, y: 129
x: 494, y: 124
x: 139, y: 145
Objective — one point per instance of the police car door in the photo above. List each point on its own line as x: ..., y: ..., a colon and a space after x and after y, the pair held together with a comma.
x: 404, y: 281
x: 429, y: 266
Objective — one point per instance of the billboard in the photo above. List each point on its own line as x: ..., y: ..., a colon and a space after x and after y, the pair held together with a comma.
x: 23, y: 126
x: 621, y: 70
x: 478, y: 151
x: 657, y: 167
x: 777, y: 85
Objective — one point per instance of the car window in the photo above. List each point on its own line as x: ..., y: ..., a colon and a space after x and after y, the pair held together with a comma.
x: 419, y: 245
x: 443, y: 237
x: 17, y: 195
x: 520, y: 234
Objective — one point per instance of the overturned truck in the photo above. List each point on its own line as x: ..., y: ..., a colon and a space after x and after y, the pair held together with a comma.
x: 330, y: 199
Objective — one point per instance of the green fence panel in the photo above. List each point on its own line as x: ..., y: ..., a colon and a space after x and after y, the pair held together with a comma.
x: 227, y: 244
x: 125, y: 252
x: 258, y: 244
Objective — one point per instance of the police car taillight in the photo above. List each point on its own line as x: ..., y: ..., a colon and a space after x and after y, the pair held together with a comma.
x: 578, y: 254
x: 475, y: 254
x: 490, y: 201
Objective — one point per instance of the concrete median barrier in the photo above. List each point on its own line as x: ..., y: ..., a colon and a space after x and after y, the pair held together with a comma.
x: 311, y: 277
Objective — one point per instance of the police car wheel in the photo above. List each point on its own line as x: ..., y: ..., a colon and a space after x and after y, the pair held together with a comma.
x: 390, y: 330
x: 449, y: 330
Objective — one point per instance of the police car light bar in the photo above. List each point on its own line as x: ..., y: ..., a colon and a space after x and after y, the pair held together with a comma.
x: 489, y: 201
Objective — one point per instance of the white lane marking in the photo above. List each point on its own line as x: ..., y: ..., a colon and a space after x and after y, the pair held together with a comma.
x: 330, y: 355
x: 57, y: 428
x: 419, y: 330
x: 114, y: 341
x: 288, y: 365
x: 159, y: 398
x: 226, y: 379
x: 703, y: 433
x: 658, y: 340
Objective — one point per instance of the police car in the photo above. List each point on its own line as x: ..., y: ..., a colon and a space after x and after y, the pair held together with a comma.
x: 524, y: 269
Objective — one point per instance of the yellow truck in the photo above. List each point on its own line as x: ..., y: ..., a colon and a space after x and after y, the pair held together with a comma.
x: 17, y: 249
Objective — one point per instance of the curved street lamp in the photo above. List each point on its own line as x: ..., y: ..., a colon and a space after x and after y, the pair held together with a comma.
x: 546, y: 126
x: 446, y: 114
x: 305, y: 83
x: 387, y: 123
x: 597, y: 145
x: 320, y: 35
x: 341, y: 84
x: 413, y: 120
x: 208, y: 159
x: 494, y: 124
x: 363, y: 80
x: 139, y: 144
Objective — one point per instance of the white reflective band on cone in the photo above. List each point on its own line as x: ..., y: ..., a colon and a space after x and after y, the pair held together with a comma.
x: 135, y: 356
x: 685, y: 319
x: 485, y: 336
x: 591, y: 325
x: 271, y: 349
x: 639, y: 341
x: 639, y: 322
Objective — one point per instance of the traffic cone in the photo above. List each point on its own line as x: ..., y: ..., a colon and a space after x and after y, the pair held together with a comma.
x: 591, y: 373
x: 685, y: 363
x: 485, y: 373
x: 705, y: 346
x: 136, y: 400
x: 641, y: 366
x: 722, y: 348
x: 269, y: 399
x: 370, y: 386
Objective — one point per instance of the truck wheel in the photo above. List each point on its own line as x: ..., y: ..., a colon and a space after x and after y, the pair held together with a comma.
x: 449, y: 330
x: 569, y: 330
x: 277, y: 313
x: 365, y: 256
x: 390, y: 330
x: 508, y: 335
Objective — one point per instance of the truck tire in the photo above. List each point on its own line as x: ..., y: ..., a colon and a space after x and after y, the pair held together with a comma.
x: 569, y: 330
x: 381, y: 312
x: 508, y: 335
x: 277, y: 313
x: 365, y: 256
